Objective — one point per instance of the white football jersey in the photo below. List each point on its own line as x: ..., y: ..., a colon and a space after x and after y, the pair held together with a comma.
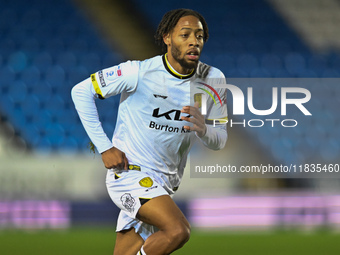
x: 149, y: 129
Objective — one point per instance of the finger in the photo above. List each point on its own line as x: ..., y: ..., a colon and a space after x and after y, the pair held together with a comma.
x: 191, y: 110
x: 120, y: 166
x: 185, y: 118
x: 194, y: 111
x: 188, y: 107
x: 187, y: 127
x: 126, y: 163
x: 192, y: 120
x: 191, y: 128
x: 185, y: 109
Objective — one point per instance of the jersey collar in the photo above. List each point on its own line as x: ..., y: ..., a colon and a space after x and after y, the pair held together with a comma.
x: 169, y: 68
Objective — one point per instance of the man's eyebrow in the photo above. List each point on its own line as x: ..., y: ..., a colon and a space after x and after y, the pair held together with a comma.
x: 188, y: 28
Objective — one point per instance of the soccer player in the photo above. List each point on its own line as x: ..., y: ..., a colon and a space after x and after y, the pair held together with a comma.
x: 155, y: 129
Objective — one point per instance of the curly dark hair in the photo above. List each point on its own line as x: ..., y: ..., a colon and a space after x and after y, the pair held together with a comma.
x: 169, y: 21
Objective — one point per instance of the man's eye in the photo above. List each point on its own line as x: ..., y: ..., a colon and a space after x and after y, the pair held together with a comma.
x: 200, y: 36
x: 184, y: 35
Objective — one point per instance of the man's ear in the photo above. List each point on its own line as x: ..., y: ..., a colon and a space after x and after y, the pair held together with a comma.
x: 166, y: 39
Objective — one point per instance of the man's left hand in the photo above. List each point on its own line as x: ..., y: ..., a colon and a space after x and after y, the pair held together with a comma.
x: 196, y: 118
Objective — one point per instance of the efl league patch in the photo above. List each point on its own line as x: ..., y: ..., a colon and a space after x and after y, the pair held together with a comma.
x: 146, y: 182
x: 112, y: 72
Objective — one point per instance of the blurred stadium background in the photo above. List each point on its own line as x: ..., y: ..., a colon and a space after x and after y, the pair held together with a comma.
x: 52, y: 187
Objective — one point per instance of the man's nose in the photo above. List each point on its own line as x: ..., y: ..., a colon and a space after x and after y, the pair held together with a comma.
x: 193, y: 41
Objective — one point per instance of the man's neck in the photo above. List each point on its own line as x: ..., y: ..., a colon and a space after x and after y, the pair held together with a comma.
x: 176, y: 67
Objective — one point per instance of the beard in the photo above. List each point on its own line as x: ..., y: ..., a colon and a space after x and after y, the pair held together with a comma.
x: 176, y: 54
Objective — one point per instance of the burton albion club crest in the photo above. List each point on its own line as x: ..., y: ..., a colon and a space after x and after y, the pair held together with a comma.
x: 146, y: 182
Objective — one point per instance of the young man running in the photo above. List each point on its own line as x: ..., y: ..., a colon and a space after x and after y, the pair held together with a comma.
x: 156, y: 126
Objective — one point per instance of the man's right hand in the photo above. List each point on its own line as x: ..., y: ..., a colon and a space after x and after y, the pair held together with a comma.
x: 114, y: 158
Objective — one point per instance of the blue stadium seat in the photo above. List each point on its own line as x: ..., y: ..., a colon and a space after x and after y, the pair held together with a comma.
x: 29, y: 106
x: 281, y: 47
x: 42, y: 119
x: 55, y: 134
x: 31, y: 75
x: 7, y: 75
x: 247, y: 63
x: 43, y: 60
x: 66, y: 60
x: 55, y: 75
x: 224, y: 61
x: 77, y: 74
x: 8, y: 17
x: 70, y: 144
x: 257, y: 47
x: 318, y: 63
x: 235, y: 73
x: 111, y: 59
x: 271, y: 62
x: 31, y: 46
x: 295, y: 63
x: 260, y: 72
x: 7, y: 46
x: 54, y: 44
x: 17, y: 91
x: 79, y: 46
x: 7, y: 105
x: 18, y: 61
x: 43, y: 90
x: 91, y: 61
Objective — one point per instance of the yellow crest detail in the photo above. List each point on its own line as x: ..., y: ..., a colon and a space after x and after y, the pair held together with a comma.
x: 146, y: 182
x: 198, y: 98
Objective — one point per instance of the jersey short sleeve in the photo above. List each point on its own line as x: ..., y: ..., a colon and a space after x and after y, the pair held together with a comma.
x: 116, y: 79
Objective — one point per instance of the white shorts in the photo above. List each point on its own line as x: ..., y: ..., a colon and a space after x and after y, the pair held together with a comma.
x: 129, y: 190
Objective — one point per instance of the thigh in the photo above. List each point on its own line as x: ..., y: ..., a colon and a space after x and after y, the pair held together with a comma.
x: 163, y: 213
x: 128, y: 242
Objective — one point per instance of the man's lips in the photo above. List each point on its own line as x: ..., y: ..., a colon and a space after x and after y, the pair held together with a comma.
x: 193, y: 57
x: 193, y: 54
